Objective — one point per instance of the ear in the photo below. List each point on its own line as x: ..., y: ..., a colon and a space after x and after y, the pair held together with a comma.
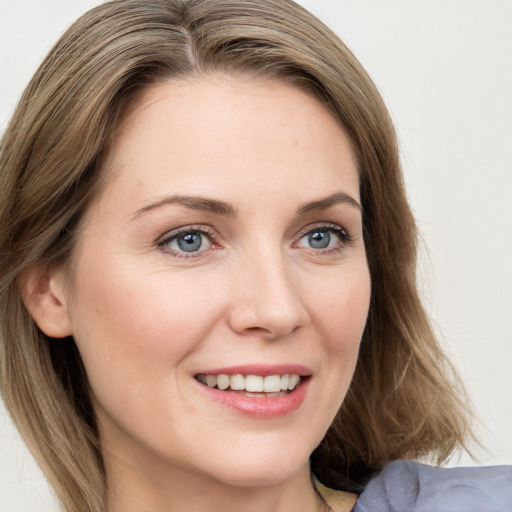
x: 42, y: 290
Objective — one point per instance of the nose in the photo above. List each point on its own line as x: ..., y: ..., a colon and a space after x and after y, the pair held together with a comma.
x: 267, y: 300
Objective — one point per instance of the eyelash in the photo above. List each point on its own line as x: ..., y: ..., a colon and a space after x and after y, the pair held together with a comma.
x: 206, y: 231
x: 345, y: 239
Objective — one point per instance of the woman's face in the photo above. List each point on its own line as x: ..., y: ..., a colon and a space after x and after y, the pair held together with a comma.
x: 224, y: 250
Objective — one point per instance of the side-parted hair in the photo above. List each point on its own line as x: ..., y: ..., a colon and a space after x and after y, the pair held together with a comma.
x: 404, y: 401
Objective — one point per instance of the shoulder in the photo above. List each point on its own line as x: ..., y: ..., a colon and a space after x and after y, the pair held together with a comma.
x: 412, y: 487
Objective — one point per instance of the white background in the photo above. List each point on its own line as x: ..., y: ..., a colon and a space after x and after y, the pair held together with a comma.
x: 444, y: 68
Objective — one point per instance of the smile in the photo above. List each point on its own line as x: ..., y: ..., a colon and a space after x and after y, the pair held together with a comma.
x: 258, y: 391
x: 270, y: 385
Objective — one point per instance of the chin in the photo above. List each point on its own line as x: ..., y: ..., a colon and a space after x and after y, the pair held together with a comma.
x: 260, y: 467
x: 259, y: 476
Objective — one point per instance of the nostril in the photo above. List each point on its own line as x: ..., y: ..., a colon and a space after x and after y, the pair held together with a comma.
x: 257, y: 330
x: 270, y: 334
x: 267, y: 315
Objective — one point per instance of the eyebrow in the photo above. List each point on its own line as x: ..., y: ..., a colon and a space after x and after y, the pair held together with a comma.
x: 228, y: 210
x: 192, y: 203
x: 328, y: 202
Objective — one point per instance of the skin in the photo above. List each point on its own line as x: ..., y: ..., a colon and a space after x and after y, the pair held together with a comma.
x: 147, y: 317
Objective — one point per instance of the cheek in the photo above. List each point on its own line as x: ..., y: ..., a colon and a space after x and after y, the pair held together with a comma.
x: 130, y: 324
x: 341, y: 309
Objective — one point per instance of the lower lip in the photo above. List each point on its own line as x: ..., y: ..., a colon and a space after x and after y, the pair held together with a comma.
x: 264, y: 407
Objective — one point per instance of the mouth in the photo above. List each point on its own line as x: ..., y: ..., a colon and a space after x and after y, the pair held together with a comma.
x: 257, y: 391
x: 253, y: 385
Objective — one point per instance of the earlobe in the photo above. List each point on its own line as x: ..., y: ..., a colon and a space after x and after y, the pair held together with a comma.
x: 42, y: 291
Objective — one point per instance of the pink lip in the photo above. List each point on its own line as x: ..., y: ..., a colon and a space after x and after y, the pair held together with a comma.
x: 261, y: 369
x: 263, y: 407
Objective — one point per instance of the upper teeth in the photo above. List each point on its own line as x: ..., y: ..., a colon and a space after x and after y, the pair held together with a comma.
x: 251, y: 383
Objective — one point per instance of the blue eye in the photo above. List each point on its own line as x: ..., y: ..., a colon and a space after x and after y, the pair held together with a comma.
x: 325, y: 237
x: 187, y: 242
x: 190, y: 242
x: 319, y: 239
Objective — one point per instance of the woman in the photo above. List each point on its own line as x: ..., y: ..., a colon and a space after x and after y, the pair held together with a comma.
x: 208, y: 290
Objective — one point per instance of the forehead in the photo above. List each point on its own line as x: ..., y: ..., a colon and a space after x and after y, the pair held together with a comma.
x: 235, y: 127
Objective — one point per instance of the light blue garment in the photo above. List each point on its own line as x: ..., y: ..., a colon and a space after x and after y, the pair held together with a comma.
x: 405, y: 486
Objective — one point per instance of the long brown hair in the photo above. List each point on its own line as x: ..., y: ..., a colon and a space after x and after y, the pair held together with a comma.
x: 402, y: 401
